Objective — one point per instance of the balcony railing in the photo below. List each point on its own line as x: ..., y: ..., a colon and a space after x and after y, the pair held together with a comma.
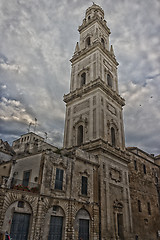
x: 17, y: 184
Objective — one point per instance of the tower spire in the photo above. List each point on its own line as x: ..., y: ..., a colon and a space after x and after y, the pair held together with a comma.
x: 76, y: 48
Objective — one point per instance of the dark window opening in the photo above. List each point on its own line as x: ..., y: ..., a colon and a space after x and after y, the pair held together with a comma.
x: 88, y: 41
x: 144, y: 168
x: 55, y: 208
x: 113, y: 137
x: 20, y: 204
x: 89, y: 17
x: 59, y: 179
x: 139, y: 206
x: 26, y: 176
x: 83, y: 229
x: 102, y: 41
x: 109, y: 80
x: 120, y: 225
x: 135, y: 165
x: 136, y: 237
x: 149, y: 208
x: 80, y: 135
x: 84, y: 185
x: 83, y: 79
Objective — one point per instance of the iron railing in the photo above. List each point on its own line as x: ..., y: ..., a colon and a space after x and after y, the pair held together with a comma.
x: 18, y: 184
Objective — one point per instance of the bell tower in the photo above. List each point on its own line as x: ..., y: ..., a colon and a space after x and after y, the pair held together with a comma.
x: 93, y: 105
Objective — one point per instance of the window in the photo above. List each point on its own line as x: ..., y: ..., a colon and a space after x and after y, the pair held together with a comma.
x: 139, y: 206
x: 20, y: 204
x: 83, y: 79
x: 88, y: 41
x: 109, y: 80
x: 55, y: 208
x: 89, y: 17
x: 102, y: 41
x: 84, y: 185
x: 59, y: 179
x: 26, y: 176
x: 149, y: 208
x: 144, y: 168
x: 80, y: 135
x: 120, y: 225
x: 135, y: 165
x: 113, y: 138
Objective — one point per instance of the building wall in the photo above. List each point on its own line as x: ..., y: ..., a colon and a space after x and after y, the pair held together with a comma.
x: 143, y: 178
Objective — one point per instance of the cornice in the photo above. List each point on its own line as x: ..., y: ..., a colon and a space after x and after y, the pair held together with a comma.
x: 99, y: 146
x: 97, y: 83
x: 96, y: 44
x: 106, y: 148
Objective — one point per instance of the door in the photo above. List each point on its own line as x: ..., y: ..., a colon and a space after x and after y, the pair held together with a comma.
x: 83, y: 229
x: 55, y: 230
x: 20, y: 226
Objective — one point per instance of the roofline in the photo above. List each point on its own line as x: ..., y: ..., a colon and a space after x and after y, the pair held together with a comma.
x: 136, y: 148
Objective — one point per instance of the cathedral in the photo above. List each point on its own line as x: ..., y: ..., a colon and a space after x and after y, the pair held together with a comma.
x: 94, y: 188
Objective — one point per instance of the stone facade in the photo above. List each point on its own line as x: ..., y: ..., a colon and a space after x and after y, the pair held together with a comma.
x: 144, y: 176
x: 94, y: 188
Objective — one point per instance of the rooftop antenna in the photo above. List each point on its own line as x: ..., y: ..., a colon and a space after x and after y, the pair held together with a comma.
x: 29, y: 126
x: 35, y: 124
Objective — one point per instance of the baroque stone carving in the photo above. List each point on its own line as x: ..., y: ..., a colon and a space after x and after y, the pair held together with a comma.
x: 115, y: 175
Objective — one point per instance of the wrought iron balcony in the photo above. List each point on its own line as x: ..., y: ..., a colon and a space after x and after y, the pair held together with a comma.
x: 18, y: 184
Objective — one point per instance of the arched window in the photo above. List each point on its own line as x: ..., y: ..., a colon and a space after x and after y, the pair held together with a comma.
x: 80, y: 135
x: 113, y: 137
x: 109, y: 80
x: 102, y: 41
x: 88, y: 41
x: 83, y: 79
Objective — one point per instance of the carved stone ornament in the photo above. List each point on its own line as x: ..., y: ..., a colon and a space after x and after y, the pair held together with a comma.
x: 115, y: 175
x: 117, y: 204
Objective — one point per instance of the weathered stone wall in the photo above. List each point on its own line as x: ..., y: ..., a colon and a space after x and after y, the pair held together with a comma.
x: 144, y: 197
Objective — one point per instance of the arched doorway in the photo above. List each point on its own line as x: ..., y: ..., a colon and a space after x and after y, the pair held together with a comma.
x: 82, y: 225
x: 54, y: 224
x: 20, y: 215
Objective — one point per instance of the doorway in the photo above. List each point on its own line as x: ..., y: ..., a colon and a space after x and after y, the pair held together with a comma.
x: 20, y: 226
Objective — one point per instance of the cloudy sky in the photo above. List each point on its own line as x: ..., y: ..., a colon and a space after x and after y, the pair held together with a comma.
x: 37, y: 39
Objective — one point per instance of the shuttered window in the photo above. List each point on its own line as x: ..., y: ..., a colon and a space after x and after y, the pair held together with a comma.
x: 59, y: 179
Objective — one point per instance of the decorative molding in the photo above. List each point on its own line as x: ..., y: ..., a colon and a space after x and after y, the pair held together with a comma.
x: 115, y: 175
